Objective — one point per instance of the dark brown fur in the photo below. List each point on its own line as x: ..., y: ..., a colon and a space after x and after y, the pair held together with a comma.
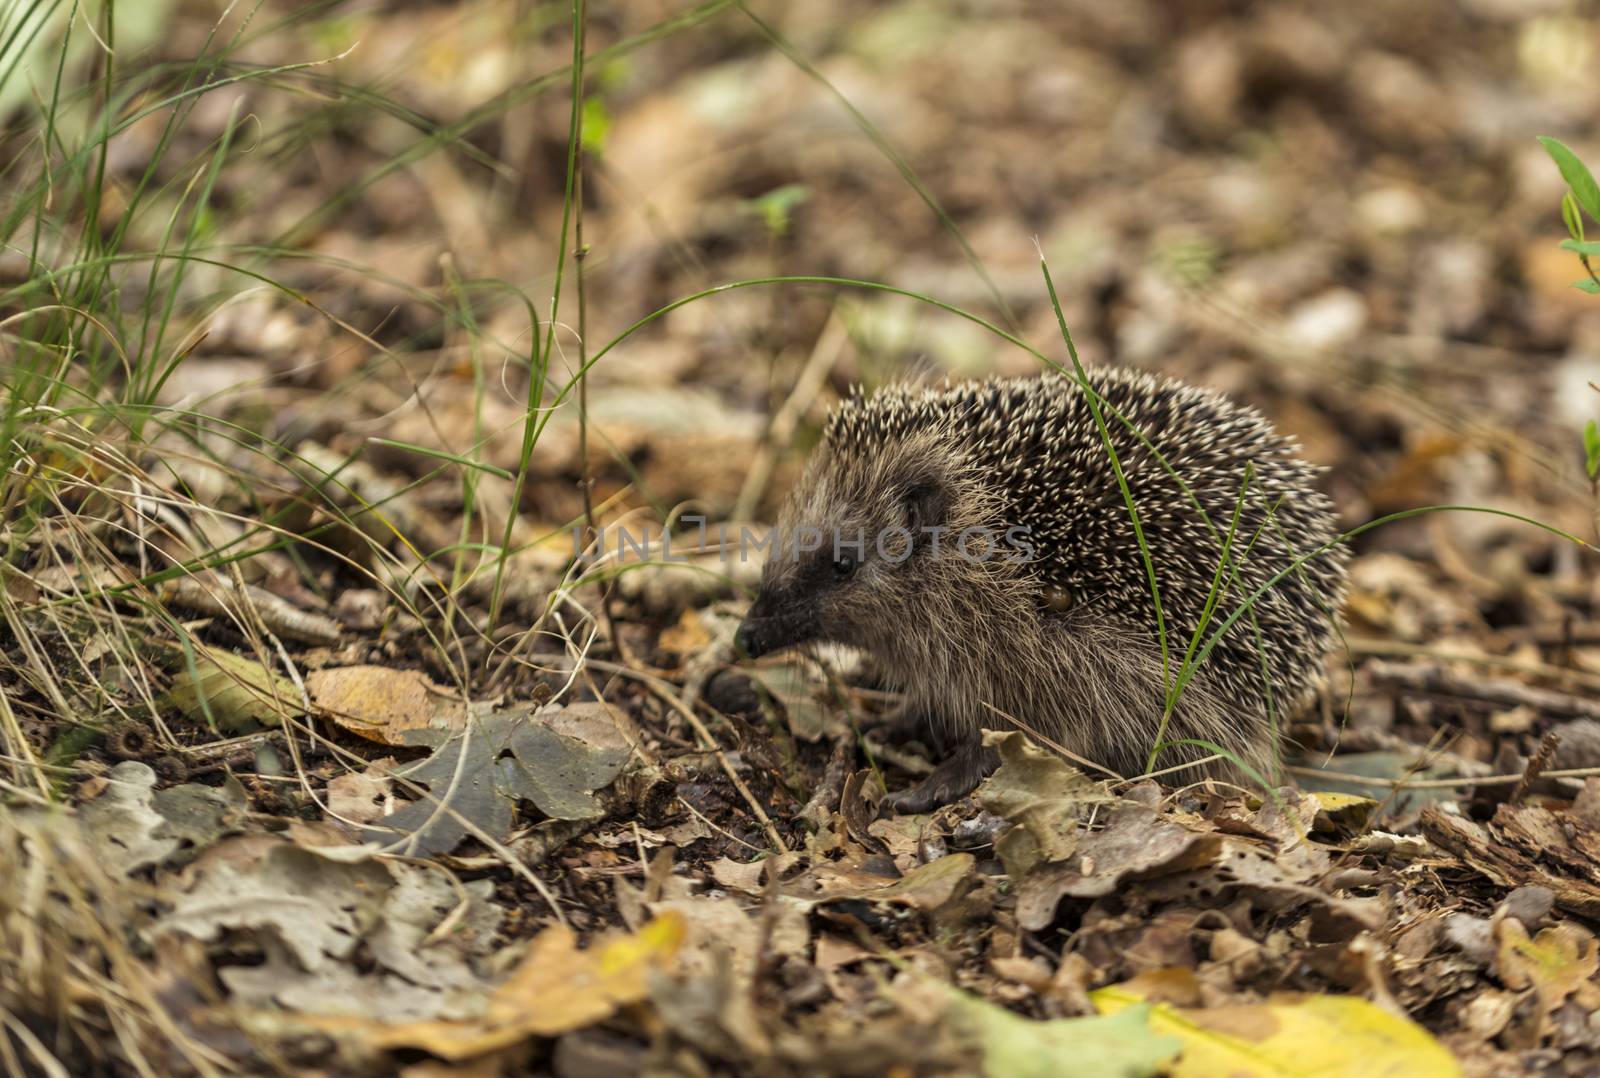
x: 972, y: 641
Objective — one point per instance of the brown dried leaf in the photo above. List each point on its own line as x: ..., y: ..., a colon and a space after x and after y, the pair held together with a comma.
x: 1043, y: 795
x: 1559, y: 962
x: 1136, y: 843
x: 380, y: 703
x: 556, y: 988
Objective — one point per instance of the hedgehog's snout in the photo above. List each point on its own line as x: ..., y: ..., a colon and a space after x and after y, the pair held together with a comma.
x: 747, y: 640
x: 774, y: 622
x: 751, y: 639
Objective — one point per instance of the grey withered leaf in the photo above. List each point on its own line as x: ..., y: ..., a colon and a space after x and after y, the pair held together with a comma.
x: 480, y: 772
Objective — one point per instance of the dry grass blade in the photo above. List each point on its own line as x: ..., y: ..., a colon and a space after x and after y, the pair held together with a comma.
x: 73, y: 995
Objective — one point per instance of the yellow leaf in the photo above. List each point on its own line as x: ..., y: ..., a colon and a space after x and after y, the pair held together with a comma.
x: 380, y: 704
x: 232, y: 690
x: 1124, y: 1046
x: 555, y: 989
x: 1304, y: 1036
x: 1336, y: 809
x: 1559, y: 961
x: 689, y: 636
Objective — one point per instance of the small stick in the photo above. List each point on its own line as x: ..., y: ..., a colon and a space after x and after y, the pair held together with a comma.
x: 664, y: 690
x: 1396, y: 649
x: 1495, y: 691
x: 1568, y: 634
x: 580, y: 253
x: 882, y: 752
x: 1439, y: 784
x: 826, y: 799
x: 824, y: 356
x: 1541, y: 758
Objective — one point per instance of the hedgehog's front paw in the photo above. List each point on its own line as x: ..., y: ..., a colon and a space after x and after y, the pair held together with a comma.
x: 956, y: 777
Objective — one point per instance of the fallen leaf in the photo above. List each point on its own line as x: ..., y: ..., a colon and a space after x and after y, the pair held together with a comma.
x: 1289, y: 1035
x: 688, y: 637
x: 1136, y: 843
x: 555, y: 989
x: 1045, y: 797
x: 795, y: 687
x: 315, y: 906
x: 1121, y: 1045
x: 482, y: 770
x: 735, y: 876
x: 430, y: 928
x: 233, y: 692
x: 198, y: 815
x: 930, y: 886
x: 122, y: 826
x: 1342, y: 811
x: 380, y: 704
x: 1559, y: 962
x: 1494, y: 850
x: 358, y: 797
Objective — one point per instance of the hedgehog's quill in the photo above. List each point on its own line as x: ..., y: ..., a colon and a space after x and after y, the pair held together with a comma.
x: 976, y: 541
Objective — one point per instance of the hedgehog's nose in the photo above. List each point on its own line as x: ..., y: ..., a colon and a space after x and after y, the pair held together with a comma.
x: 747, y: 640
x: 774, y: 623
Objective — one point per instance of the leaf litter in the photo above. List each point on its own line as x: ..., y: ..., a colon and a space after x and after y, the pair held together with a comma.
x: 356, y: 826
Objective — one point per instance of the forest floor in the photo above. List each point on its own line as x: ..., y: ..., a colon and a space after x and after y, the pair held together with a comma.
x: 321, y: 753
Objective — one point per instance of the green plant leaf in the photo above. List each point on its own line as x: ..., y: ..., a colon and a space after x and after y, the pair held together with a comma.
x: 776, y: 206
x: 1589, y: 285
x: 1570, y: 214
x: 596, y: 125
x: 440, y: 454
x: 1121, y: 1045
x: 1576, y: 173
x: 1591, y: 247
x: 1591, y: 448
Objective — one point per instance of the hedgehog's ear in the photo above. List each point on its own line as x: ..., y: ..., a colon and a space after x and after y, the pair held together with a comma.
x: 926, y: 503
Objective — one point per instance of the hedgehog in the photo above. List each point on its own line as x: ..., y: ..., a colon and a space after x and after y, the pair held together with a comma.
x: 976, y: 541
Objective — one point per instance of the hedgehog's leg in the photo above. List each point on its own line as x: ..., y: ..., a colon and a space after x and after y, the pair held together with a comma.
x: 905, y: 722
x: 955, y: 777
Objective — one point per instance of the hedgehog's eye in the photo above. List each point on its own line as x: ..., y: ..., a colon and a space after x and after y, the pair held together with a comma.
x: 843, y: 566
x: 1058, y: 599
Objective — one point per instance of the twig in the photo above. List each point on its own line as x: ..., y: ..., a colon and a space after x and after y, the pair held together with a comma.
x: 1397, y: 649
x: 1187, y: 765
x: 1439, y: 784
x: 1564, y: 635
x: 724, y: 832
x: 832, y: 788
x: 1498, y: 692
x: 664, y: 690
x: 1541, y: 758
x: 580, y: 253
x: 882, y: 752
x: 242, y: 747
x: 216, y: 595
x: 824, y: 355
